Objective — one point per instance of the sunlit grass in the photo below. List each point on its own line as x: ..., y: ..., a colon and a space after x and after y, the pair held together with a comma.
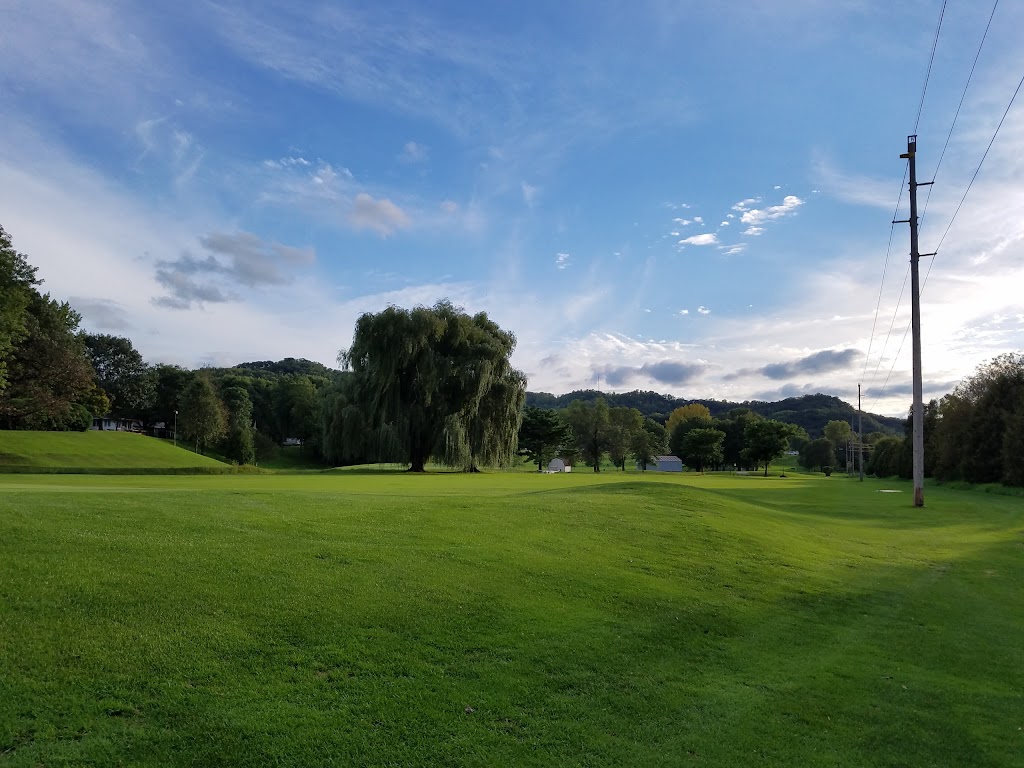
x: 367, y: 617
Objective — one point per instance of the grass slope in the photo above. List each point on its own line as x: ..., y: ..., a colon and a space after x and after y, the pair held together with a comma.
x: 373, y: 618
x: 94, y: 450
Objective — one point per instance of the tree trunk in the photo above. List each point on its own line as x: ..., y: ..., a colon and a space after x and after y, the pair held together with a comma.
x: 766, y: 469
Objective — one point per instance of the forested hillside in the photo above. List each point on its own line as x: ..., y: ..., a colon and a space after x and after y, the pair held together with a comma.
x: 812, y: 412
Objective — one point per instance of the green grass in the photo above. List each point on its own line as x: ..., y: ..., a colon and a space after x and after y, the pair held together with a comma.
x: 93, y: 450
x: 376, y: 618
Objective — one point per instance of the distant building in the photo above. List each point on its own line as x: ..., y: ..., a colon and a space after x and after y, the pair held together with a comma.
x: 665, y: 464
x: 105, y: 423
x: 558, y: 465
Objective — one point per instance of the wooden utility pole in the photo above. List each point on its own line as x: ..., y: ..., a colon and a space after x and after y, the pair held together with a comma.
x: 915, y: 322
x: 860, y: 436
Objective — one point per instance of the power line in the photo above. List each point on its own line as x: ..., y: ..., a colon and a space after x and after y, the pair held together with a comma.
x: 931, y: 60
x: 963, y: 96
x: 978, y: 169
x: 943, y: 238
x: 937, y: 166
x: 888, y: 250
x: 885, y: 267
x: 874, y: 376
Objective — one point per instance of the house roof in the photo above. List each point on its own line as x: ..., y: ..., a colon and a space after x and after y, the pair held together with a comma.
x: 667, y: 458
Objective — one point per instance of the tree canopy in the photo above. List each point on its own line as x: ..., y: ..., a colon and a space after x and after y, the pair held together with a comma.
x: 542, y: 435
x: 591, y: 428
x: 424, y: 379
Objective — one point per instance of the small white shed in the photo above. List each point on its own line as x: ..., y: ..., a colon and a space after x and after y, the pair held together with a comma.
x: 666, y: 464
x: 557, y: 465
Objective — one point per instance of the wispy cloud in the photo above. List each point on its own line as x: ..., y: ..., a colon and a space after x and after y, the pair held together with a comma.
x: 232, y: 260
x: 381, y: 216
x: 758, y: 216
x: 530, y: 193
x: 413, y: 152
x: 855, y: 188
x: 708, y: 238
x: 745, y: 204
x: 562, y: 260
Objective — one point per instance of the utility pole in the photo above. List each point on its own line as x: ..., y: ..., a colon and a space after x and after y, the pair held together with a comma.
x: 860, y: 436
x: 915, y: 322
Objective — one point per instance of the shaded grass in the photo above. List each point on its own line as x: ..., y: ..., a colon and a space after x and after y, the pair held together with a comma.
x: 352, y: 618
x: 92, y: 450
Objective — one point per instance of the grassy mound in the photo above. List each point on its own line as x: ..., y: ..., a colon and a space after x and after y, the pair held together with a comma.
x: 88, y: 451
x: 510, y: 619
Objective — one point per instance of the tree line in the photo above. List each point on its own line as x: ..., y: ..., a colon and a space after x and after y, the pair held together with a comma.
x: 590, y: 431
x: 809, y: 412
x: 435, y: 384
x: 974, y: 434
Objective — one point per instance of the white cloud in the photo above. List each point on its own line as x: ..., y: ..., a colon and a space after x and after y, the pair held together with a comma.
x: 732, y: 250
x: 753, y: 231
x: 725, y: 224
x: 856, y: 188
x: 708, y: 238
x: 703, y: 310
x: 683, y: 312
x: 777, y: 186
x: 698, y: 219
x: 743, y: 205
x: 562, y: 260
x: 413, y: 152
x: 530, y: 193
x: 682, y: 222
x: 757, y: 216
x: 382, y: 216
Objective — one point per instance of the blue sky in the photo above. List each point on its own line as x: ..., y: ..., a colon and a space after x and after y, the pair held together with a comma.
x: 688, y: 197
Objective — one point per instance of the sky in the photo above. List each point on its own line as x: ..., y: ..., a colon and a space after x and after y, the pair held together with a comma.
x: 688, y: 197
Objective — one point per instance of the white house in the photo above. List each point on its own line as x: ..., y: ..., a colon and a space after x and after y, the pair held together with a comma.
x: 104, y: 423
x: 665, y: 464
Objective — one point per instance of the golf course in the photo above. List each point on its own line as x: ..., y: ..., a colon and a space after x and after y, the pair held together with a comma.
x: 368, y: 616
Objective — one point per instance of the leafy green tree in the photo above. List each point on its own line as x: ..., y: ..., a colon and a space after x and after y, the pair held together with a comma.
x: 1013, y: 446
x: 542, y: 435
x: 169, y: 382
x: 766, y: 440
x: 649, y: 442
x: 239, y: 445
x: 590, y: 427
x: 297, y: 407
x: 623, y: 425
x: 689, y: 411
x: 974, y: 438
x: 677, y: 436
x: 838, y: 433
x: 734, y: 425
x: 885, y: 457
x: 704, y: 447
x: 422, y: 375
x: 17, y: 287
x: 817, y: 454
x: 492, y: 425
x: 47, y: 369
x: 121, y: 373
x: 202, y: 419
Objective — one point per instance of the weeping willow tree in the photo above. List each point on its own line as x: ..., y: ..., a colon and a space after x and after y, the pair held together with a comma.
x: 430, y: 382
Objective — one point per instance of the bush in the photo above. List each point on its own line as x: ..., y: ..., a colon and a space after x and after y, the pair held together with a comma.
x: 827, y: 470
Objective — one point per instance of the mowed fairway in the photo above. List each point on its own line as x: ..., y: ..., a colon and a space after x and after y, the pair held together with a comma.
x: 388, y: 619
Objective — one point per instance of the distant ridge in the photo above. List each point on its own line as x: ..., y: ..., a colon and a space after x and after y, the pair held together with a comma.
x: 812, y: 412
